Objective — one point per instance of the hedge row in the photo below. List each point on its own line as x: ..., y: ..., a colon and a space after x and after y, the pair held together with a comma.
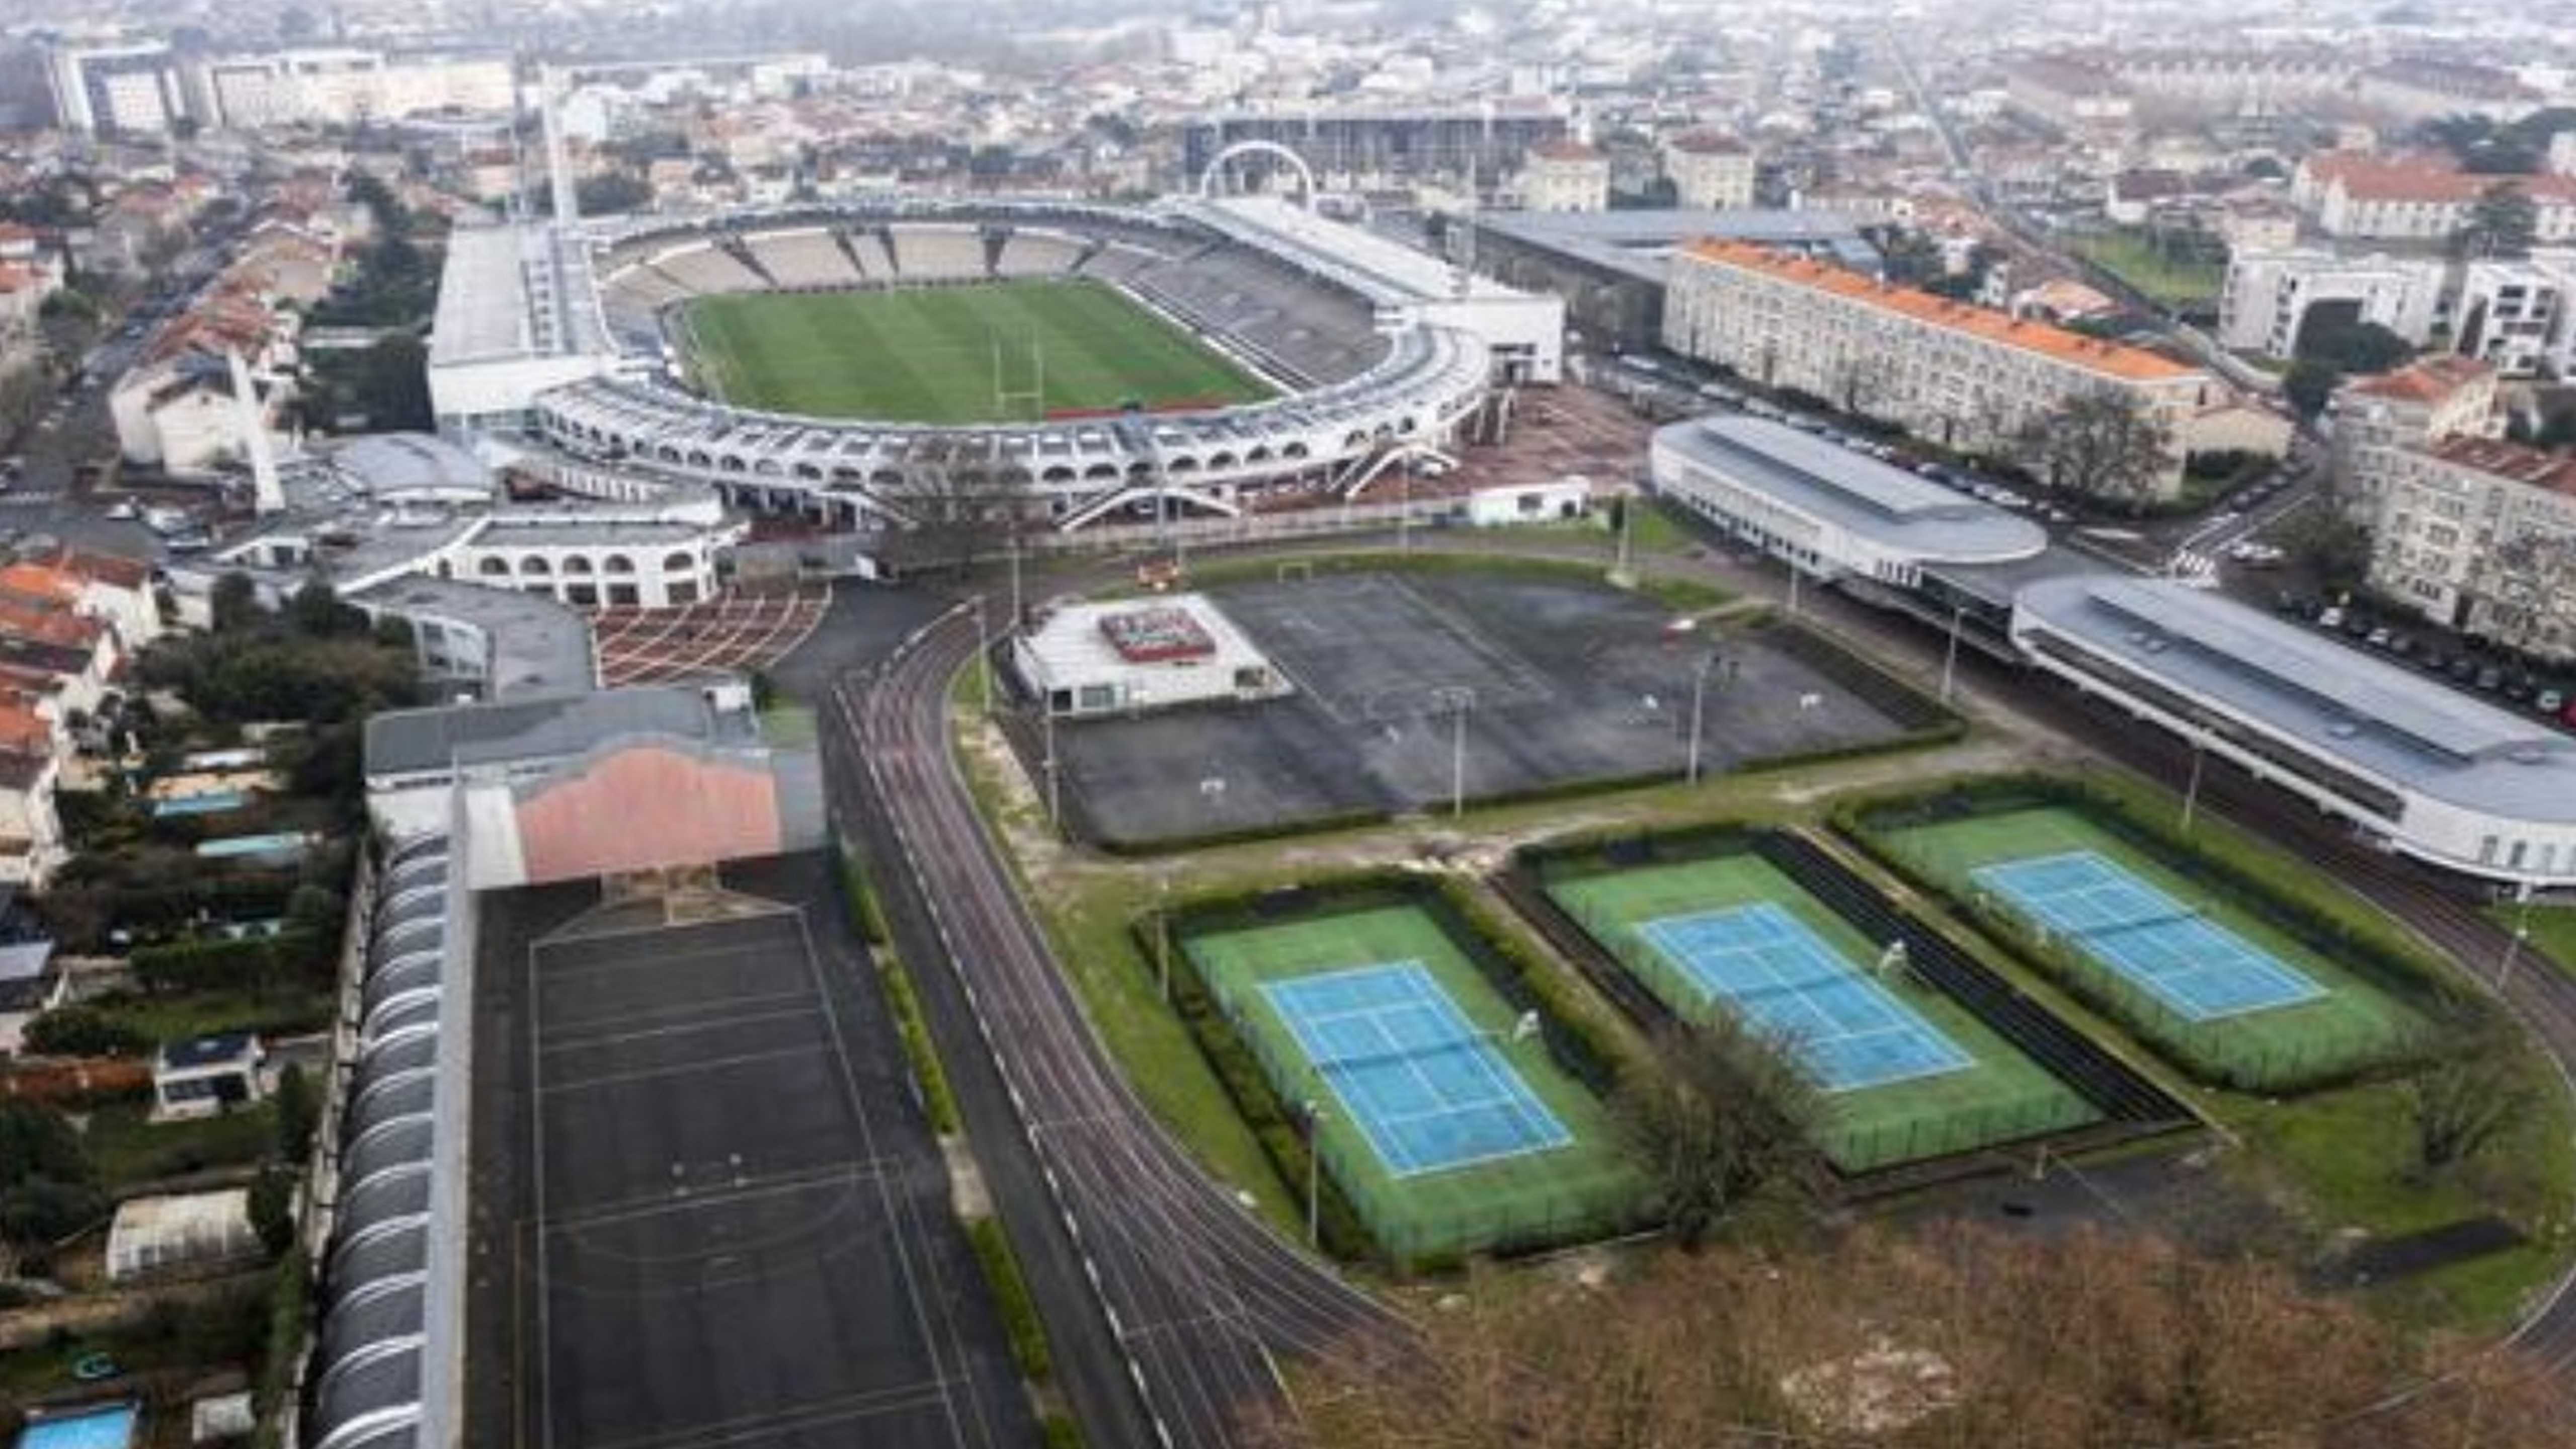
x: 867, y: 919
x: 1339, y: 1230
x: 2241, y: 882
x: 1011, y: 1298
x: 217, y: 965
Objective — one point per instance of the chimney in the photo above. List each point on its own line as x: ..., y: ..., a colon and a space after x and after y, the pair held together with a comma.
x: 266, y: 496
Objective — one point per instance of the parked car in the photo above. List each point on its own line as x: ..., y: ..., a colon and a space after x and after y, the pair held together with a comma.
x: 2549, y: 701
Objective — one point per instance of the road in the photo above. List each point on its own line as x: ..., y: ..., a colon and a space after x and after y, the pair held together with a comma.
x: 1167, y: 1328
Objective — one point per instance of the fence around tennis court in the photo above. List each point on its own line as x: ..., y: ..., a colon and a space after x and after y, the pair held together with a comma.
x: 2292, y: 1048
x: 1427, y: 1219
x: 1855, y: 1143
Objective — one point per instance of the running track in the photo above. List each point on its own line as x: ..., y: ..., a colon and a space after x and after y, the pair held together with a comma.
x: 1198, y: 1292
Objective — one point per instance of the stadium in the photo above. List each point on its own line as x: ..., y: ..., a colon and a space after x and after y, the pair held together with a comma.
x: 880, y: 365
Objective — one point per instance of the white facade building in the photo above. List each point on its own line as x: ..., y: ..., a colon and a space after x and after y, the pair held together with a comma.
x: 2431, y: 773
x: 1961, y: 375
x: 2479, y: 535
x: 1565, y: 176
x: 1119, y: 658
x: 2268, y: 294
x: 1826, y: 510
x: 1709, y: 171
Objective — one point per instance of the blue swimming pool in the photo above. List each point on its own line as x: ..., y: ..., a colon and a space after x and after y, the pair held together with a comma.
x: 212, y: 802
x: 109, y: 1426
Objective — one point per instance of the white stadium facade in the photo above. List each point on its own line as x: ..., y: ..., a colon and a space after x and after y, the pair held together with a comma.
x: 559, y: 336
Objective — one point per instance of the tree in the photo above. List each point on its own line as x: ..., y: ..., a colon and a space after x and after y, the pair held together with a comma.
x: 47, y: 1189
x: 1860, y: 378
x: 2502, y: 222
x: 272, y: 1208
x: 612, y: 192
x: 2476, y: 1088
x: 392, y: 385
x: 298, y: 1114
x: 80, y: 1031
x: 2350, y: 345
x: 2101, y: 444
x: 1724, y: 1119
x: 2309, y: 385
x: 315, y: 610
x: 2328, y: 544
x: 234, y: 603
x: 1955, y: 1337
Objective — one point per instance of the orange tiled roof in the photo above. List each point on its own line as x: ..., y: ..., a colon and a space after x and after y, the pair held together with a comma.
x: 70, y: 631
x: 1565, y: 151
x: 2523, y: 464
x: 115, y: 570
x: 23, y: 731
x: 2417, y: 177
x: 2427, y: 379
x: 2112, y: 359
x: 1709, y: 143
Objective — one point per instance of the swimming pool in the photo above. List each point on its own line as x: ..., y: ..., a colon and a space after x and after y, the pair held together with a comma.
x: 212, y: 802
x: 108, y: 1426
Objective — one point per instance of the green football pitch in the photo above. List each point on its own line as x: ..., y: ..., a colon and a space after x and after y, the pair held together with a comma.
x: 1003, y: 352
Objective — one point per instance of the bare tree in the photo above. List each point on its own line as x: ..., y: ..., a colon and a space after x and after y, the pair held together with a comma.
x: 1724, y: 1119
x: 1860, y: 380
x: 2102, y: 444
x: 1952, y: 1338
x: 961, y: 517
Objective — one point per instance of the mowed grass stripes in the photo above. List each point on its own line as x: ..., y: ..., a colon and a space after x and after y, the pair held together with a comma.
x: 927, y: 355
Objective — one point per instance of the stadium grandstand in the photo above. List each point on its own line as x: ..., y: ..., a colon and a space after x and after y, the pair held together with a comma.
x: 1306, y: 357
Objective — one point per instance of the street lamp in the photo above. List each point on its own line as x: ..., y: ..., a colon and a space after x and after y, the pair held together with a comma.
x: 1699, y: 696
x: 2191, y: 792
x: 2521, y: 933
x: 1314, y: 1173
x: 1950, y: 659
x: 983, y: 660
x: 1458, y: 698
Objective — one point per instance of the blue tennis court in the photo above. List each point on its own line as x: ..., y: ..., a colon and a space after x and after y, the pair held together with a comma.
x: 1428, y: 1090
x: 2190, y: 963
x: 1786, y: 981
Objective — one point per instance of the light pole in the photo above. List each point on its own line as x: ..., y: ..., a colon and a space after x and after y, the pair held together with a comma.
x: 1460, y: 699
x: 1046, y: 713
x: 2521, y: 933
x: 1950, y: 659
x: 1163, y: 933
x: 1314, y: 1173
x: 983, y: 660
x: 1793, y: 586
x: 2191, y: 792
x: 1404, y: 507
x: 1019, y: 604
x: 1699, y: 696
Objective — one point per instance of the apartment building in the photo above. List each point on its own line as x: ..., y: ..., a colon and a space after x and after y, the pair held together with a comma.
x: 2265, y: 302
x: 2413, y: 90
x: 2425, y: 403
x: 1710, y: 171
x: 2070, y: 95
x: 2480, y: 534
x: 2416, y: 198
x: 1565, y: 176
x: 1962, y: 375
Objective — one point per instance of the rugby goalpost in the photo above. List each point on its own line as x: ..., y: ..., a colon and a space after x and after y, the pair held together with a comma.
x: 1034, y: 396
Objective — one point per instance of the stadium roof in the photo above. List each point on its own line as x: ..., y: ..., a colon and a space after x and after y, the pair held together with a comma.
x: 1853, y: 491
x: 1641, y: 243
x: 482, y: 298
x: 422, y: 741
x: 1387, y: 269
x: 2339, y: 702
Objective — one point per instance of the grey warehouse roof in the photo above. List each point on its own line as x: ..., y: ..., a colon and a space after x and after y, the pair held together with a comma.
x: 1641, y: 242
x: 1853, y: 491
x: 539, y: 645
x: 2339, y: 702
x: 420, y: 741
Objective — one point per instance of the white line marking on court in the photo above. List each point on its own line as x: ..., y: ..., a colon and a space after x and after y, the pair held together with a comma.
x: 683, y: 1069
x: 686, y: 1028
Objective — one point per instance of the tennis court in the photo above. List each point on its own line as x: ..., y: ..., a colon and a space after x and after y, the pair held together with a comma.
x: 1910, y: 1074
x: 1850, y: 1031
x: 2190, y: 963
x: 2232, y: 993
x: 1428, y: 1089
x: 1445, y: 1128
